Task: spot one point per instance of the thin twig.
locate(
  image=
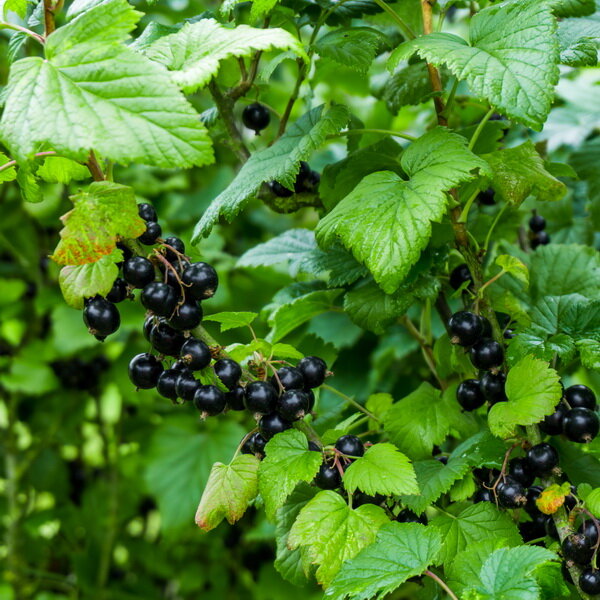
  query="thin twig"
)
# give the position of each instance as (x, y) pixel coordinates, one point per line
(442, 584)
(94, 167)
(351, 401)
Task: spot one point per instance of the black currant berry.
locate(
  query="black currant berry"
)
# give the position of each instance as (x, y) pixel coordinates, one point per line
(542, 459)
(533, 493)
(138, 271)
(589, 529)
(577, 548)
(228, 371)
(314, 371)
(166, 383)
(328, 477)
(195, 354)
(101, 317)
(279, 190)
(159, 298)
(235, 398)
(302, 177)
(442, 459)
(580, 396)
(147, 212)
(469, 394)
(256, 117)
(553, 424)
(144, 370)
(484, 495)
(466, 328)
(261, 397)
(247, 446)
(186, 316)
(460, 275)
(540, 239)
(272, 424)
(537, 223)
(311, 398)
(312, 181)
(360, 498)
(408, 516)
(492, 387)
(166, 340)
(118, 292)
(186, 386)
(177, 247)
(201, 280)
(290, 378)
(350, 445)
(511, 494)
(534, 529)
(259, 443)
(519, 470)
(581, 425)
(589, 581)
(314, 447)
(149, 323)
(487, 197)
(293, 405)
(152, 233)
(209, 400)
(487, 354)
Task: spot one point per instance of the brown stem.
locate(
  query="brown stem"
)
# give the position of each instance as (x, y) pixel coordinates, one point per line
(442, 584)
(49, 25)
(302, 70)
(94, 167)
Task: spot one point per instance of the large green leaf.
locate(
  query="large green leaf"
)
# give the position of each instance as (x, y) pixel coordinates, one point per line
(510, 60)
(386, 221)
(353, 47)
(410, 85)
(573, 8)
(102, 96)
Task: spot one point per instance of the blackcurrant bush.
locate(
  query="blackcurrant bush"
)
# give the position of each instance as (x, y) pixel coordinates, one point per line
(201, 280)
(492, 386)
(235, 398)
(511, 494)
(487, 354)
(256, 117)
(292, 405)
(328, 477)
(466, 328)
(314, 371)
(186, 386)
(484, 495)
(209, 400)
(359, 498)
(195, 354)
(577, 548)
(540, 239)
(589, 581)
(542, 459)
(537, 223)
(589, 529)
(147, 212)
(228, 371)
(350, 445)
(311, 398)
(279, 190)
(118, 292)
(518, 469)
(138, 271)
(101, 317)
(460, 275)
(469, 394)
(259, 443)
(166, 340)
(312, 181)
(580, 396)
(533, 493)
(487, 197)
(272, 424)
(408, 516)
(149, 323)
(553, 424)
(247, 446)
(290, 378)
(144, 370)
(581, 425)
(127, 253)
(534, 529)
(159, 298)
(152, 233)
(177, 247)
(166, 383)
(261, 397)
(301, 178)
(186, 316)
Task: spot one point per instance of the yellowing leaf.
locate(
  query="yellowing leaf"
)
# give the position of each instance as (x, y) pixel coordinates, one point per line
(553, 497)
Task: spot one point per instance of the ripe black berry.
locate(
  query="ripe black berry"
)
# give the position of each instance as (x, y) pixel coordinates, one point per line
(460, 275)
(359, 498)
(177, 245)
(553, 424)
(589, 581)
(147, 212)
(166, 383)
(590, 531)
(160, 298)
(293, 405)
(492, 387)
(311, 398)
(580, 396)
(149, 323)
(487, 354)
(209, 400)
(469, 394)
(118, 292)
(328, 477)
(256, 117)
(235, 398)
(152, 233)
(537, 223)
(314, 447)
(484, 495)
(311, 181)
(272, 424)
(186, 316)
(186, 386)
(279, 190)
(408, 516)
(101, 317)
(577, 548)
(314, 371)
(138, 271)
(534, 529)
(581, 425)
(195, 354)
(519, 470)
(540, 239)
(201, 280)
(466, 328)
(166, 340)
(511, 494)
(259, 443)
(261, 397)
(228, 371)
(350, 445)
(144, 370)
(487, 197)
(533, 493)
(302, 177)
(290, 378)
(542, 458)
(247, 446)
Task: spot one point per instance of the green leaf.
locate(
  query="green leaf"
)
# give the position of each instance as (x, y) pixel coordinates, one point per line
(586, 162)
(475, 523)
(228, 492)
(579, 40)
(288, 461)
(382, 470)
(573, 8)
(232, 320)
(56, 169)
(104, 96)
(100, 215)
(19, 7)
(193, 54)
(512, 265)
(353, 47)
(9, 174)
(592, 502)
(510, 60)
(520, 172)
(533, 390)
(580, 466)
(28, 185)
(280, 162)
(408, 86)
(400, 551)
(85, 281)
(333, 533)
(386, 221)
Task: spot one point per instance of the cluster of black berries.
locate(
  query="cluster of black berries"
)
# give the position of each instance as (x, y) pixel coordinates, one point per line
(307, 180)
(79, 374)
(538, 236)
